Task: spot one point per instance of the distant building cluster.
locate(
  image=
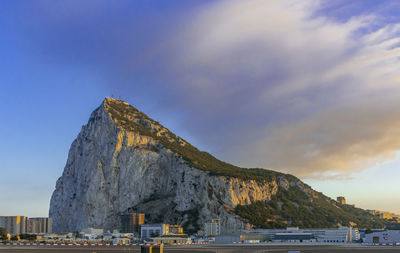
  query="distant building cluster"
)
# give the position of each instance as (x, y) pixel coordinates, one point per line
(134, 229)
(161, 233)
(384, 215)
(15, 225)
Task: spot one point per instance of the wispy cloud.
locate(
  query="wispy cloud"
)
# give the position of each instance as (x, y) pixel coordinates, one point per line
(287, 90)
(273, 84)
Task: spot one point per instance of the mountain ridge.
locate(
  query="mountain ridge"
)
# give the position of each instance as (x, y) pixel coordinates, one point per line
(122, 160)
(114, 106)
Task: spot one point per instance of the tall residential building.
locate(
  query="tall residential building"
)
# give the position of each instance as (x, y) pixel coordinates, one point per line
(212, 228)
(130, 223)
(14, 224)
(32, 226)
(43, 224)
(341, 200)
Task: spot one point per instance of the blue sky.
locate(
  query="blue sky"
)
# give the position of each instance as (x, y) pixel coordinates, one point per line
(306, 87)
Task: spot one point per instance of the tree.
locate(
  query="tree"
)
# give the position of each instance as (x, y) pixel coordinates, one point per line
(29, 237)
(154, 234)
(393, 226)
(2, 232)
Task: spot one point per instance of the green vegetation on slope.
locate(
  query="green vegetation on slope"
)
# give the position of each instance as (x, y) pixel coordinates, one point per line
(293, 207)
(194, 157)
(3, 234)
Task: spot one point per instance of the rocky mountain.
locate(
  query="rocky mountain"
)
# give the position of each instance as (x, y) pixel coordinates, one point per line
(123, 161)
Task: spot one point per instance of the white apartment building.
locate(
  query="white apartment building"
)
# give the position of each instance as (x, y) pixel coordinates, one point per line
(212, 228)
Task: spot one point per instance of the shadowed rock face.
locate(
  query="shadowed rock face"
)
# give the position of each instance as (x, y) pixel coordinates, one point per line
(113, 168)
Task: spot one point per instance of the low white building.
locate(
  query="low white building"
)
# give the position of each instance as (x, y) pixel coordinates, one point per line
(121, 241)
(172, 238)
(123, 235)
(391, 236)
(328, 235)
(337, 235)
(91, 237)
(107, 236)
(293, 237)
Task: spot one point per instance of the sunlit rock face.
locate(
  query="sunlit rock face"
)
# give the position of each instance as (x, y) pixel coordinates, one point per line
(112, 168)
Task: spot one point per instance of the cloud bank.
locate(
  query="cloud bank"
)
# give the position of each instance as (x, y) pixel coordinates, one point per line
(290, 90)
(272, 84)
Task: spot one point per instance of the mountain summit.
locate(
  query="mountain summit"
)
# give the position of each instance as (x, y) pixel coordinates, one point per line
(124, 161)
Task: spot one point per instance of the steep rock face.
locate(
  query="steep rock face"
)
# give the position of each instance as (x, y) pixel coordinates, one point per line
(124, 161)
(111, 169)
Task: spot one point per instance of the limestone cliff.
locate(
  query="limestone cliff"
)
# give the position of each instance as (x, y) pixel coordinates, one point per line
(124, 161)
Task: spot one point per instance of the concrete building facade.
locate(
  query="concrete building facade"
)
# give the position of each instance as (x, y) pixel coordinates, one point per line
(294, 237)
(41, 225)
(32, 227)
(14, 225)
(212, 228)
(328, 235)
(339, 235)
(130, 223)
